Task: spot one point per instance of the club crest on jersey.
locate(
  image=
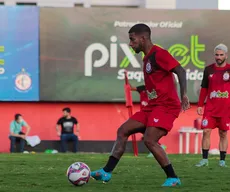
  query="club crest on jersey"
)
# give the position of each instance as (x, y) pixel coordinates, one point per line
(205, 122)
(226, 76)
(148, 68)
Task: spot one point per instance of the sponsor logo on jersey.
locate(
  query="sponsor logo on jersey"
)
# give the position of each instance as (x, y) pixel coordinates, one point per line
(219, 94)
(152, 94)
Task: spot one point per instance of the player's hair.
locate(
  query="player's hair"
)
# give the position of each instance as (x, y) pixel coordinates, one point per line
(221, 47)
(140, 29)
(67, 109)
(16, 116)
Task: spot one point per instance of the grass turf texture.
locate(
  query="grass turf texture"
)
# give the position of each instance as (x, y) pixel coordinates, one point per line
(46, 173)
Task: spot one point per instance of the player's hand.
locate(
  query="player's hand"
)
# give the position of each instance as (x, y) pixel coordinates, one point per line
(200, 110)
(185, 105)
(132, 88)
(58, 133)
(23, 136)
(77, 133)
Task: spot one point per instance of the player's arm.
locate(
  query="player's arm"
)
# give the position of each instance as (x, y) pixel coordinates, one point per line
(181, 74)
(167, 62)
(204, 88)
(58, 127)
(28, 128)
(203, 92)
(133, 88)
(140, 88)
(14, 135)
(77, 127)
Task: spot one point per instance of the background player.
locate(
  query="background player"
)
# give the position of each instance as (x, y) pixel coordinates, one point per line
(16, 133)
(216, 87)
(163, 107)
(66, 133)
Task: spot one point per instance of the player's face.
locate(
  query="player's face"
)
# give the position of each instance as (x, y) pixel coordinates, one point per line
(220, 57)
(65, 113)
(136, 42)
(19, 119)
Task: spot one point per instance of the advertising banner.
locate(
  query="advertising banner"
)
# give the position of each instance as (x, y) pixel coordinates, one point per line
(84, 52)
(19, 53)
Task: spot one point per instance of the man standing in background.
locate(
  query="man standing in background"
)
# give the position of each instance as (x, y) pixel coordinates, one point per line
(66, 133)
(16, 133)
(216, 88)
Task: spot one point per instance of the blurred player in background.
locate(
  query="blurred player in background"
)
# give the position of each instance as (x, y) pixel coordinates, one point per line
(66, 133)
(16, 133)
(216, 88)
(156, 119)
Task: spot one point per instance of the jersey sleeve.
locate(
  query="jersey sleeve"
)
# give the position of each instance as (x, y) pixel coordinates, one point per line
(75, 121)
(140, 88)
(165, 60)
(24, 123)
(205, 80)
(59, 122)
(202, 97)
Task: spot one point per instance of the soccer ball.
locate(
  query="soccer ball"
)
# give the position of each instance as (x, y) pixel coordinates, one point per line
(78, 173)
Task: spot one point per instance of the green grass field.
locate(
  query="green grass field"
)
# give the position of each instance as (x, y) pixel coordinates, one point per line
(46, 173)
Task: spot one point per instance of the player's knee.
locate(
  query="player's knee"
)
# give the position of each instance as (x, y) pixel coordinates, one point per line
(149, 142)
(222, 134)
(207, 133)
(12, 138)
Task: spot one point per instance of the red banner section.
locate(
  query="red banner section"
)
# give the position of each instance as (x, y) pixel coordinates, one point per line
(97, 122)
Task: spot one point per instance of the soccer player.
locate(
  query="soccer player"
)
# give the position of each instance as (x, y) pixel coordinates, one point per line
(164, 106)
(66, 133)
(216, 88)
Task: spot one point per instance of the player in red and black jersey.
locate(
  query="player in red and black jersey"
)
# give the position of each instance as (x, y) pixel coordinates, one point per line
(156, 119)
(216, 88)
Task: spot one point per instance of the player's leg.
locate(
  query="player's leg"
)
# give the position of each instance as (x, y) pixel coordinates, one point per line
(205, 147)
(159, 123)
(208, 123)
(12, 143)
(64, 140)
(74, 138)
(152, 135)
(223, 145)
(22, 144)
(131, 126)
